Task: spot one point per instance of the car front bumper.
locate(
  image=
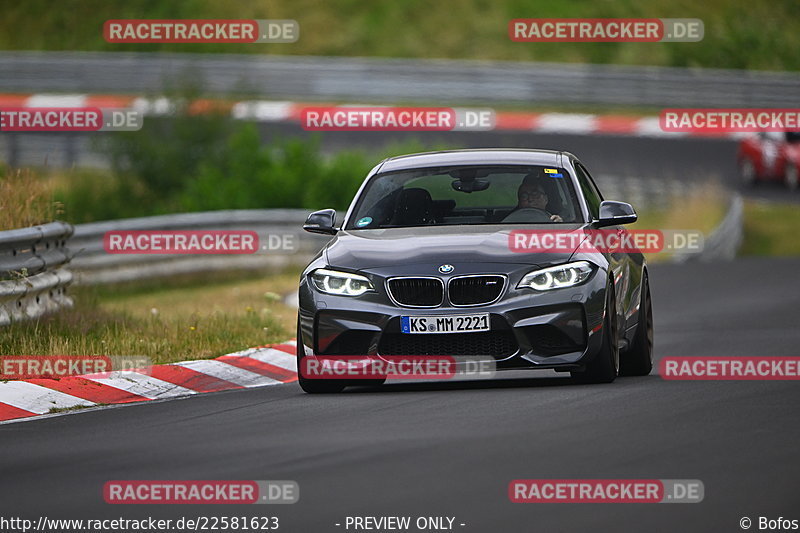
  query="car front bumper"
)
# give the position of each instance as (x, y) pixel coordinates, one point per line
(558, 329)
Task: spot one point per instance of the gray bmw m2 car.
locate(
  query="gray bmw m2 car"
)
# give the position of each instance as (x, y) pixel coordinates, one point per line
(428, 260)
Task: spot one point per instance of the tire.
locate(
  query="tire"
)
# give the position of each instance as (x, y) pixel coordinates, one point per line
(604, 367)
(747, 172)
(790, 176)
(638, 359)
(314, 386)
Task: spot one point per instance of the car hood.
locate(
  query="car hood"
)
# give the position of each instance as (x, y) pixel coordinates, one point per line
(378, 248)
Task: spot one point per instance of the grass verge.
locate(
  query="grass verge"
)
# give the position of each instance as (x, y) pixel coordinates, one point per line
(738, 34)
(25, 200)
(770, 229)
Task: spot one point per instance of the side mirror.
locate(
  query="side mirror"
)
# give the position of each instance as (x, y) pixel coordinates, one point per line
(321, 222)
(615, 213)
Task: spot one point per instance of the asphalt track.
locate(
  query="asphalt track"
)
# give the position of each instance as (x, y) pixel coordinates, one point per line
(451, 449)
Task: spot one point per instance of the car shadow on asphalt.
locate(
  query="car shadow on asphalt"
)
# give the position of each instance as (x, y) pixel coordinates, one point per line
(510, 382)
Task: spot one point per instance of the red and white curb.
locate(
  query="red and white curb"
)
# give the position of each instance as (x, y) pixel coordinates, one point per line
(255, 367)
(286, 111)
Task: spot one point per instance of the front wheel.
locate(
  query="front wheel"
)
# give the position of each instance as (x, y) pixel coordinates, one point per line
(605, 365)
(638, 360)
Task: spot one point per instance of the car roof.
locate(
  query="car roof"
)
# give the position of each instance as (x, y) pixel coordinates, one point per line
(481, 156)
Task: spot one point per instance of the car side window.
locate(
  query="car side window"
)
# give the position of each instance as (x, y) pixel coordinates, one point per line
(590, 192)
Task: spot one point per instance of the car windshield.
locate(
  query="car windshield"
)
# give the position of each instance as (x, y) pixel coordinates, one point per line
(458, 195)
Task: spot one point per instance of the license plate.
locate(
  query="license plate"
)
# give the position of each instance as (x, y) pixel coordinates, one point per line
(445, 324)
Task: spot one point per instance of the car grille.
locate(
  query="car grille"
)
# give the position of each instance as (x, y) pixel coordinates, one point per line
(417, 292)
(475, 290)
(493, 343)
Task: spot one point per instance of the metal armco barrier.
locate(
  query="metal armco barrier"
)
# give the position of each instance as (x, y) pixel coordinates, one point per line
(380, 79)
(725, 240)
(94, 265)
(33, 273)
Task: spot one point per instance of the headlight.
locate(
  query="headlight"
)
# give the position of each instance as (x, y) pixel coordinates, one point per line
(340, 283)
(557, 277)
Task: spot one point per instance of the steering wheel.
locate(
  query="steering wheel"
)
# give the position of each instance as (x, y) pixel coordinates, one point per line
(529, 215)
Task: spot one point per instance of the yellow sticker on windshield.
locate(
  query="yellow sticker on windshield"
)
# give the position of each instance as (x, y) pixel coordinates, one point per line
(550, 171)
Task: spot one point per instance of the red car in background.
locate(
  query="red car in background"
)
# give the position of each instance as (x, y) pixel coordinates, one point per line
(770, 156)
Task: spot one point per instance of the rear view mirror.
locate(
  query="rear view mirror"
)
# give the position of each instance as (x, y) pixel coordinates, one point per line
(467, 185)
(321, 222)
(615, 213)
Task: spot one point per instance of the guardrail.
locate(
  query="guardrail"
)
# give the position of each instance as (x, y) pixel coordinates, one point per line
(724, 241)
(386, 80)
(33, 273)
(94, 265)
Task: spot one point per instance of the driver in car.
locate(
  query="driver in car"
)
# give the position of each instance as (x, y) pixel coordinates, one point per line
(531, 194)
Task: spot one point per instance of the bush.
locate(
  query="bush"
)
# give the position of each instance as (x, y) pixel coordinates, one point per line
(289, 173)
(167, 152)
(88, 196)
